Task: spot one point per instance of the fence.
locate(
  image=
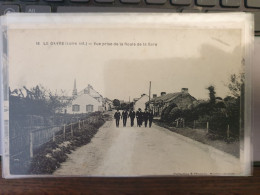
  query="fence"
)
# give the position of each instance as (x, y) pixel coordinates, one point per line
(198, 125)
(225, 133)
(42, 136)
(29, 132)
(19, 146)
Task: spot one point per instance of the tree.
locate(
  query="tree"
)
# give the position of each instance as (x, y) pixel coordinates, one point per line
(166, 111)
(37, 101)
(116, 102)
(236, 85)
(131, 106)
(212, 97)
(235, 105)
(124, 106)
(56, 102)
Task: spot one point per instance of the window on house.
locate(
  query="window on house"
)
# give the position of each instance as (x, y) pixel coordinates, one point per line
(89, 108)
(75, 108)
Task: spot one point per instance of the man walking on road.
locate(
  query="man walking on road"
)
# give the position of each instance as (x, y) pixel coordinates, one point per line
(150, 118)
(117, 116)
(124, 116)
(132, 117)
(139, 117)
(145, 117)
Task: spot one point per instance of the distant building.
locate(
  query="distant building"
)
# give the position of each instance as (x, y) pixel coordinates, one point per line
(122, 101)
(135, 100)
(182, 99)
(85, 101)
(84, 104)
(140, 102)
(108, 104)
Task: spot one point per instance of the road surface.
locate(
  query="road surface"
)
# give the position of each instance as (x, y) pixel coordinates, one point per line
(135, 151)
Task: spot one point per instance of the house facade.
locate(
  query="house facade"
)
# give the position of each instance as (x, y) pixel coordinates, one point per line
(86, 101)
(141, 102)
(84, 104)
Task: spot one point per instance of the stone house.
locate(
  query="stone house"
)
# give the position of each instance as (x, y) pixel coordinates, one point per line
(182, 99)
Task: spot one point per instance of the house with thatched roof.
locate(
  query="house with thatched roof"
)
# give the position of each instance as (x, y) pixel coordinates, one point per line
(182, 99)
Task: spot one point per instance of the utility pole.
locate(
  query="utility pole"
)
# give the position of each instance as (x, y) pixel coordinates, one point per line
(149, 93)
(129, 104)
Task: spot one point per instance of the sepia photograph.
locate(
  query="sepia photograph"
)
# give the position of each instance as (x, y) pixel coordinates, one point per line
(126, 101)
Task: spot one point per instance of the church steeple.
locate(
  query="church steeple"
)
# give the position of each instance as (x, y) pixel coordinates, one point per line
(74, 89)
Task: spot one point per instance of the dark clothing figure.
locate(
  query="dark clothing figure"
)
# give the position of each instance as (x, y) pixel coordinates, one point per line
(150, 117)
(132, 117)
(139, 118)
(117, 116)
(145, 117)
(124, 116)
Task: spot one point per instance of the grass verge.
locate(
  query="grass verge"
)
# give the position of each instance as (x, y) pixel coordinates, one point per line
(232, 146)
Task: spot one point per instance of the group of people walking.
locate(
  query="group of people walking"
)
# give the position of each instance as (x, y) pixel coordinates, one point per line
(146, 116)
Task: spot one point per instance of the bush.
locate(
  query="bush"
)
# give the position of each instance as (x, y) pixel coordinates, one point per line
(219, 115)
(189, 115)
(218, 123)
(174, 114)
(165, 113)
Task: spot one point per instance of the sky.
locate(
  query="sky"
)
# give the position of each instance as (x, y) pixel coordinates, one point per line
(170, 58)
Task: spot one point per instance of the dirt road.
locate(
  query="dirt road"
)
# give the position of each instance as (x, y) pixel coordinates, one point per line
(133, 151)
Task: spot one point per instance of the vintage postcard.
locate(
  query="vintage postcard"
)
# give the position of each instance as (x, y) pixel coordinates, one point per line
(126, 95)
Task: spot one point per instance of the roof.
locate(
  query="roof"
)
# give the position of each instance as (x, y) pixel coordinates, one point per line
(169, 97)
(143, 95)
(83, 96)
(108, 100)
(166, 98)
(91, 91)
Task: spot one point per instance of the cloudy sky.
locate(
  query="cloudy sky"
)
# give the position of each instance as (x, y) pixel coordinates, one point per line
(187, 58)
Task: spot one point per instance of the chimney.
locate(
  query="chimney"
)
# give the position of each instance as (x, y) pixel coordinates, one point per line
(74, 92)
(154, 95)
(184, 90)
(163, 93)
